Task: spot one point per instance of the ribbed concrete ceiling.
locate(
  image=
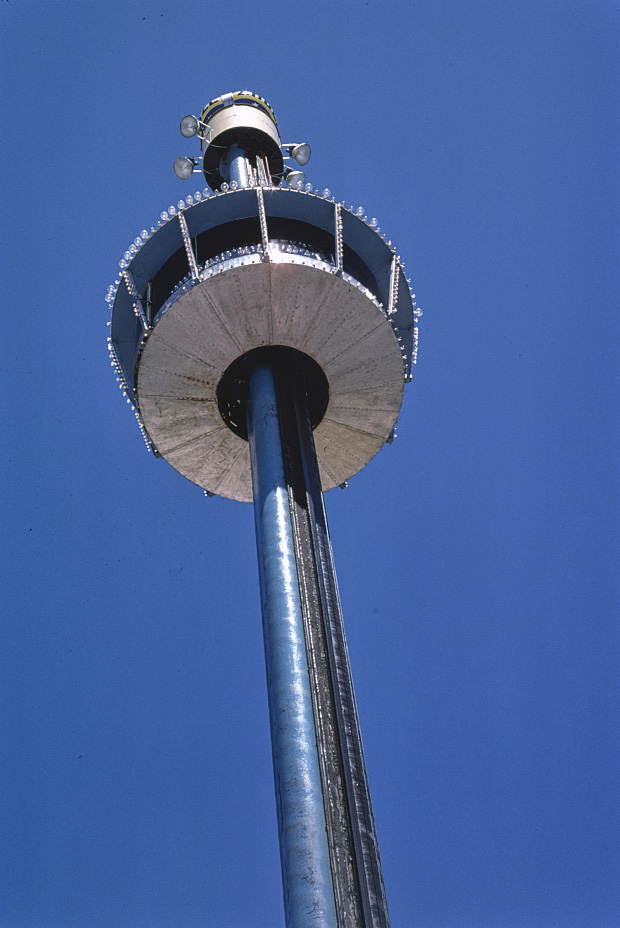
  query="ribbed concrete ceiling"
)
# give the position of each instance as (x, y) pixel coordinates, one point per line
(277, 303)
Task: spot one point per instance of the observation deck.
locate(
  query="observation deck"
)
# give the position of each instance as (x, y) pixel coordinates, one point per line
(243, 268)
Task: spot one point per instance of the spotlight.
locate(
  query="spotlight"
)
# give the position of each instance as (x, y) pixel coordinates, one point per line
(294, 178)
(184, 168)
(189, 126)
(301, 153)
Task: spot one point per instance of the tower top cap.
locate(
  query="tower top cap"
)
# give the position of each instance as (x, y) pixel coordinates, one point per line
(242, 119)
(237, 98)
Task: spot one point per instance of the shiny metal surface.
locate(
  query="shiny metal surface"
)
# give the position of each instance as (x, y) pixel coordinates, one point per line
(304, 852)
(244, 119)
(354, 854)
(237, 167)
(361, 902)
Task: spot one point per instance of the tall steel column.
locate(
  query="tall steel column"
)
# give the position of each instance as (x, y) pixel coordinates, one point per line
(263, 335)
(304, 853)
(299, 589)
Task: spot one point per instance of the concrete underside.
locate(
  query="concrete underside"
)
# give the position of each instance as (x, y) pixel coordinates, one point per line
(250, 306)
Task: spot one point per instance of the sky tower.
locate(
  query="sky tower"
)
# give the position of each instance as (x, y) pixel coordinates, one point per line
(264, 334)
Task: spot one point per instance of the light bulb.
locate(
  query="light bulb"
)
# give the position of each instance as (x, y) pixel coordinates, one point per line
(327, 192)
(164, 215)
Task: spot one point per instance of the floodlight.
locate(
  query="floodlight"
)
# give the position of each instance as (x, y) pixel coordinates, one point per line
(189, 126)
(184, 168)
(301, 153)
(295, 178)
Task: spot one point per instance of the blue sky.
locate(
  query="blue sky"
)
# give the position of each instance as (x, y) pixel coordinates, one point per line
(477, 556)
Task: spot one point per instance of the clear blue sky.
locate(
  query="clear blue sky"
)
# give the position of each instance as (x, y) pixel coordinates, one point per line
(477, 555)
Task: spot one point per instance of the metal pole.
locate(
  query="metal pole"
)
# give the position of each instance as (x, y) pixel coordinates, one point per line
(304, 851)
(362, 897)
(238, 166)
(299, 571)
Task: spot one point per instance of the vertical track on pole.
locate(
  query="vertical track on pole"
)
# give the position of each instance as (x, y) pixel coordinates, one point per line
(356, 867)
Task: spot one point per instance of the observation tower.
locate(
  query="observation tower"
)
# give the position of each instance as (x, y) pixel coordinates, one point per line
(263, 333)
